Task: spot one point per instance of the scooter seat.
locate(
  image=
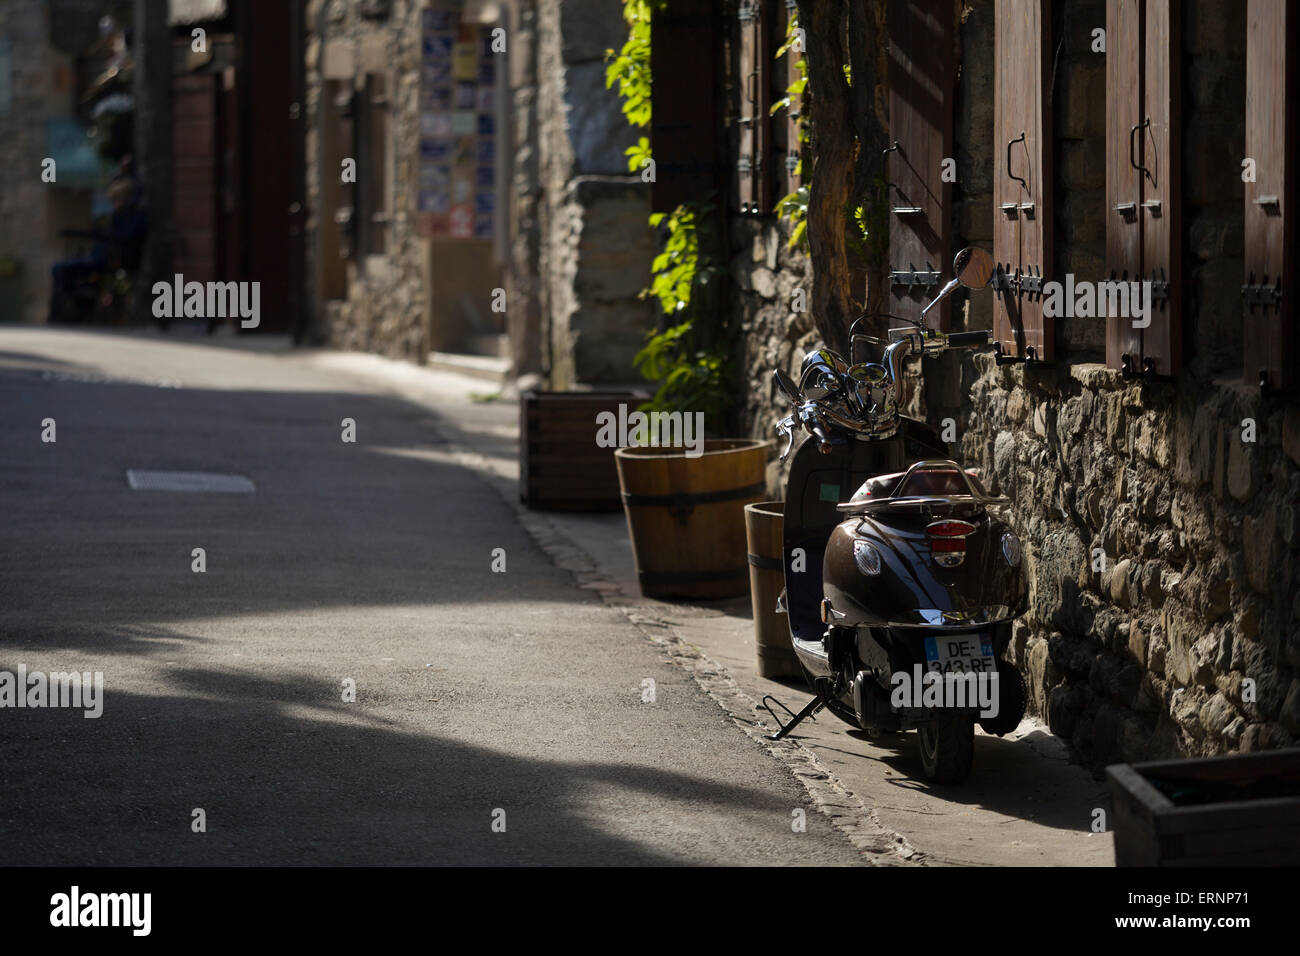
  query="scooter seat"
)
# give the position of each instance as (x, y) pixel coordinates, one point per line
(938, 482)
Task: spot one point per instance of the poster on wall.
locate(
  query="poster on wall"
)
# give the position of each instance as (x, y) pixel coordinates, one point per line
(457, 154)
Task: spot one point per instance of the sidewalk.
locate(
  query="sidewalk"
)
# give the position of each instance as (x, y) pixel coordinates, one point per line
(1025, 804)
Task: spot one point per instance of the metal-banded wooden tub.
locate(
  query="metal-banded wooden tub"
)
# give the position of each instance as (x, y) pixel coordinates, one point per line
(686, 516)
(763, 526)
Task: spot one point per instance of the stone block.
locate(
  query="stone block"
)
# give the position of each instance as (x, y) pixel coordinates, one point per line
(1064, 705)
(1260, 548)
(597, 130)
(1215, 715)
(1241, 469)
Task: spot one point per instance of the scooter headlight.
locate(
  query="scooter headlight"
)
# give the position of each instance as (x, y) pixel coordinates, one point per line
(1011, 548)
(867, 557)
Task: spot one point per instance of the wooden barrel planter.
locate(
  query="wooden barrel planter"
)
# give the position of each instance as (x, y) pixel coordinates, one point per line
(1235, 810)
(686, 516)
(763, 524)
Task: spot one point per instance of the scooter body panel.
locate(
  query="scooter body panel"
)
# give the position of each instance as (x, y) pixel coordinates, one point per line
(911, 588)
(817, 483)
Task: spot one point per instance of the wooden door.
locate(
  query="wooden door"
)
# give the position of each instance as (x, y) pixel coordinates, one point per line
(686, 122)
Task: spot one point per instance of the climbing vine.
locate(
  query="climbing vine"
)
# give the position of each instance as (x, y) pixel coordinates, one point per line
(629, 69)
(692, 376)
(793, 207)
(692, 371)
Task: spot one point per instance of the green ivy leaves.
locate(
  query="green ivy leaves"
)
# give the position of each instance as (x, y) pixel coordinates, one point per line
(691, 379)
(630, 69)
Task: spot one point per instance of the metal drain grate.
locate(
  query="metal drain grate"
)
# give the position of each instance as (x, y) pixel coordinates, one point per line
(201, 481)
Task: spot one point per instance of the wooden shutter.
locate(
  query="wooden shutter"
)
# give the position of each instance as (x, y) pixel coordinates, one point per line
(685, 122)
(1269, 345)
(1143, 182)
(1161, 187)
(1123, 179)
(920, 124)
(752, 82)
(1022, 184)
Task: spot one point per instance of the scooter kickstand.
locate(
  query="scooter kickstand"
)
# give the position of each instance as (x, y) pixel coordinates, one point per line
(809, 710)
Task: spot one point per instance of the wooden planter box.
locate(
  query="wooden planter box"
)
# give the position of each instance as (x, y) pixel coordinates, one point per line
(560, 465)
(1241, 809)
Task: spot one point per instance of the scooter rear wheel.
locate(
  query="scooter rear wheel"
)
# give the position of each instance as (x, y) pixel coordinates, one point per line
(947, 748)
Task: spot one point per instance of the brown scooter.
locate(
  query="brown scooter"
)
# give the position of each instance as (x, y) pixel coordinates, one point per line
(902, 577)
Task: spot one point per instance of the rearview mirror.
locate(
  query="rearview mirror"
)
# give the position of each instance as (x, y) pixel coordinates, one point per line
(819, 375)
(786, 384)
(973, 267)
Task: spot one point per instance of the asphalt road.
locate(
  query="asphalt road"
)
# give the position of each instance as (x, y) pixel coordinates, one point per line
(481, 697)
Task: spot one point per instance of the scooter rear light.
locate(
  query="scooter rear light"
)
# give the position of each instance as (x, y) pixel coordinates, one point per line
(948, 541)
(950, 529)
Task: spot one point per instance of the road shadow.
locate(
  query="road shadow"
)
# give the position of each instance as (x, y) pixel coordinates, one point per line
(283, 771)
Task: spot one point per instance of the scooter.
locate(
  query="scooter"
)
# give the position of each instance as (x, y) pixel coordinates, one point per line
(902, 577)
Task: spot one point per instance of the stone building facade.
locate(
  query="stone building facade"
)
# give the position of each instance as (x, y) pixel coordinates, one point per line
(581, 240)
(556, 283)
(363, 299)
(1159, 516)
(38, 93)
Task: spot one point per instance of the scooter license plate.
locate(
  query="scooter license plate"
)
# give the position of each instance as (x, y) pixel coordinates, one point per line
(961, 653)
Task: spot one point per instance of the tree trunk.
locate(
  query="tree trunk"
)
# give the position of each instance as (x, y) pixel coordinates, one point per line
(866, 33)
(831, 120)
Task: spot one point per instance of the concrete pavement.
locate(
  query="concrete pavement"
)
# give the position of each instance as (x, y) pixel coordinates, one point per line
(498, 717)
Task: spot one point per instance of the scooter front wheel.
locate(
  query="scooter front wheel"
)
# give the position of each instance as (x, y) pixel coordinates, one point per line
(947, 748)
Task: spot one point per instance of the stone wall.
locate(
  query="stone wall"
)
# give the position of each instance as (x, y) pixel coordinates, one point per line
(523, 279)
(385, 309)
(772, 335)
(40, 85)
(1163, 548)
(1162, 554)
(579, 245)
(594, 242)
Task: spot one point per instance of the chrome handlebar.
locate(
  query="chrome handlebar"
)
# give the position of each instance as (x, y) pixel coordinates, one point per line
(818, 418)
